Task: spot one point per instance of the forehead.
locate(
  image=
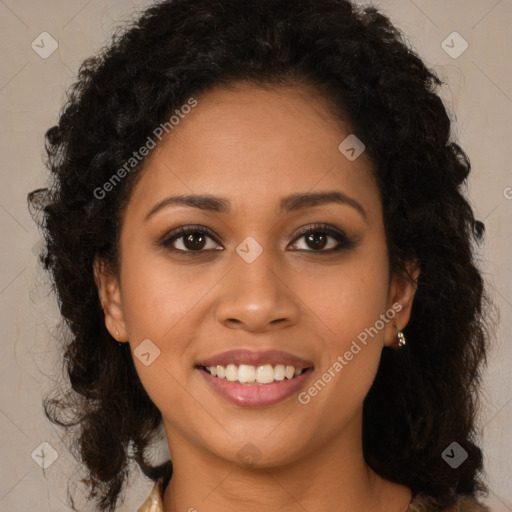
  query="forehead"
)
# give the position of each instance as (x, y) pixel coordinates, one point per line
(255, 146)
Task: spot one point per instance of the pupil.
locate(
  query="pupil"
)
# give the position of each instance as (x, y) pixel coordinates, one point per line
(315, 238)
(189, 244)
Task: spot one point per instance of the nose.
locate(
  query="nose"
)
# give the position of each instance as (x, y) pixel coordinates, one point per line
(257, 297)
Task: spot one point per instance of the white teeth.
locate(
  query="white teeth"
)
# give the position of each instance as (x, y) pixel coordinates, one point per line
(289, 372)
(246, 373)
(263, 374)
(279, 372)
(231, 372)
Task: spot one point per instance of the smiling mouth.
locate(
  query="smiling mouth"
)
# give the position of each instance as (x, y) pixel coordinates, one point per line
(254, 375)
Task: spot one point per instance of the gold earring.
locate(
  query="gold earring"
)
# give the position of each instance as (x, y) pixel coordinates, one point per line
(401, 338)
(117, 333)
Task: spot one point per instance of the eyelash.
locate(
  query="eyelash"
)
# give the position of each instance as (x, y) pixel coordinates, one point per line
(344, 242)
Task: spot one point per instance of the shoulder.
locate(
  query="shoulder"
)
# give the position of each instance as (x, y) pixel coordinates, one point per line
(154, 501)
(422, 503)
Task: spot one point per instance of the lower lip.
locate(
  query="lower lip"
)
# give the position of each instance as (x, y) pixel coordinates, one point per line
(256, 395)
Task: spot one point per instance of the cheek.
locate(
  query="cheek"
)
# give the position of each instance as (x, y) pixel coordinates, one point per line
(156, 297)
(348, 298)
(156, 302)
(349, 302)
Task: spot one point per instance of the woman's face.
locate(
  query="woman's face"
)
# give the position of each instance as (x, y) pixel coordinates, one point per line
(253, 283)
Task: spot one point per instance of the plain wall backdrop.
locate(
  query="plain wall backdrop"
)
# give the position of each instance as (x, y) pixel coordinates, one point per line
(33, 78)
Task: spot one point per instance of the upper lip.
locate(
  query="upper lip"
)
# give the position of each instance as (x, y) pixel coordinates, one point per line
(250, 357)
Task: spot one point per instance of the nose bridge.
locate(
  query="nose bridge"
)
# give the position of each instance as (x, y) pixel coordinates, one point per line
(255, 294)
(257, 267)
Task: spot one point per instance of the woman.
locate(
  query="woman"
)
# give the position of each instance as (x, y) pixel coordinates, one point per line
(261, 203)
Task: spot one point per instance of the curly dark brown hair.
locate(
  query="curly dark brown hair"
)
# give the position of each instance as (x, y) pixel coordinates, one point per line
(424, 396)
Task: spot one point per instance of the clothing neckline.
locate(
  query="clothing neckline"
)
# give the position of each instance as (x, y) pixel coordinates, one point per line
(419, 501)
(154, 502)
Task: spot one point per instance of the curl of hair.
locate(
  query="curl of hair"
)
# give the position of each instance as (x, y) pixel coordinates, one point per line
(424, 396)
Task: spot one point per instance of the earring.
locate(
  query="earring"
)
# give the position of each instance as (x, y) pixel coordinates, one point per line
(401, 338)
(119, 344)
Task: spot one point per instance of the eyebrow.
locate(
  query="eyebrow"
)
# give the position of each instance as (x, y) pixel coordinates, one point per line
(291, 203)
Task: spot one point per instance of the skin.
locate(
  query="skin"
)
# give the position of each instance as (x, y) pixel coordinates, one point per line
(253, 147)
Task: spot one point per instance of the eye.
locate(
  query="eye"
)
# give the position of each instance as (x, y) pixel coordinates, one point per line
(316, 237)
(194, 239)
(190, 239)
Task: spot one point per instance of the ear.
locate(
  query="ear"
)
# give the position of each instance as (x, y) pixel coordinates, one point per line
(401, 294)
(110, 299)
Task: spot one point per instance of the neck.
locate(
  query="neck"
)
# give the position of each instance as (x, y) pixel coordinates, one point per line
(334, 477)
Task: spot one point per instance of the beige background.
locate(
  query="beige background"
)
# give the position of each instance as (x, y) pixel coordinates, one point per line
(32, 90)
